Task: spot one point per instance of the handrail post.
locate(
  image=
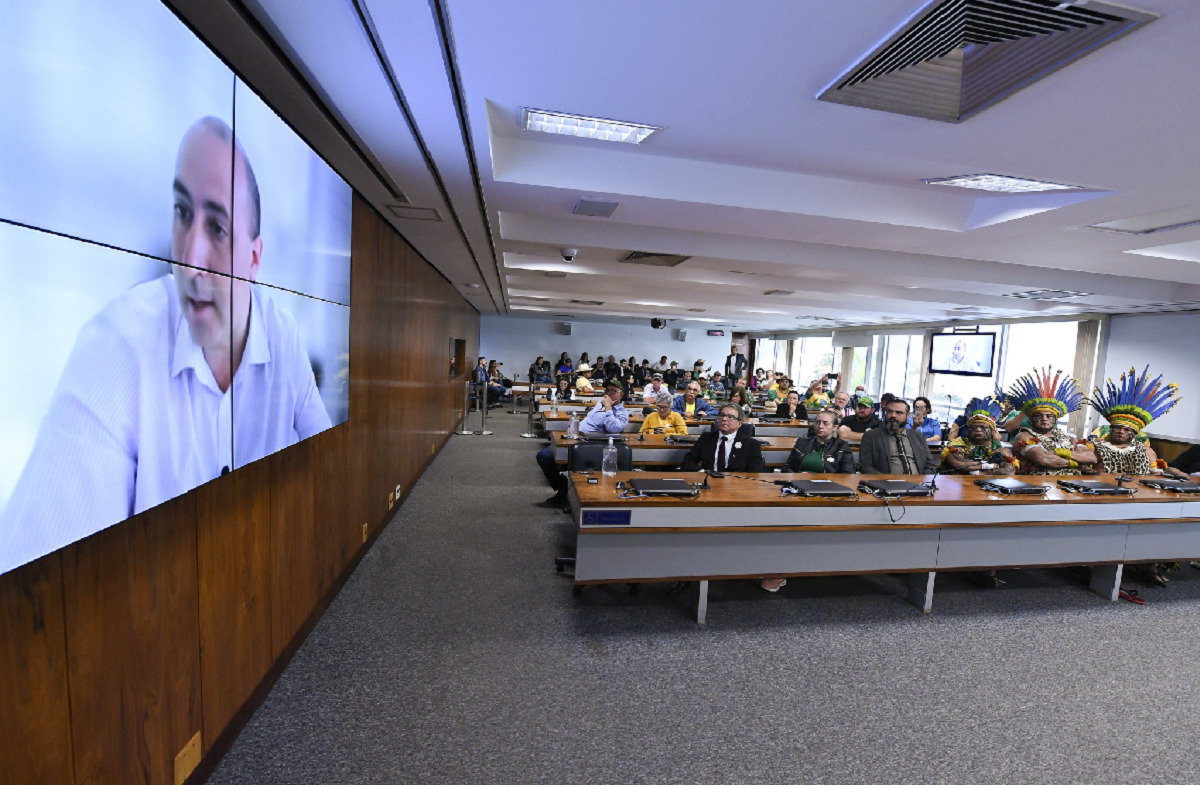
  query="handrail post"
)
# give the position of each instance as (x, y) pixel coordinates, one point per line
(462, 425)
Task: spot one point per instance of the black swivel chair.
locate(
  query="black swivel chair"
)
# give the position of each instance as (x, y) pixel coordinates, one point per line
(590, 457)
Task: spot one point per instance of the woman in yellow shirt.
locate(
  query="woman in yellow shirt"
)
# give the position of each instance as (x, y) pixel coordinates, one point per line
(663, 420)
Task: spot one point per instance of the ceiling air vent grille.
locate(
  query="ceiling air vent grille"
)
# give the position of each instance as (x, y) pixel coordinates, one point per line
(1047, 295)
(957, 57)
(653, 259)
(586, 302)
(778, 292)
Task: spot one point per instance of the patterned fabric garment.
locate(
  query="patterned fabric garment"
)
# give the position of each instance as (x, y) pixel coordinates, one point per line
(963, 450)
(1130, 459)
(1056, 439)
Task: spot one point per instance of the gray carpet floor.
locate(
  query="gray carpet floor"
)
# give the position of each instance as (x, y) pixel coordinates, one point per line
(456, 654)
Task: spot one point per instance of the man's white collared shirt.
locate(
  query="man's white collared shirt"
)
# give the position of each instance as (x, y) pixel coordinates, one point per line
(138, 418)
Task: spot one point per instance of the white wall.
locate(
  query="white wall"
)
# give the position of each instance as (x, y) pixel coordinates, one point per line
(1167, 341)
(517, 342)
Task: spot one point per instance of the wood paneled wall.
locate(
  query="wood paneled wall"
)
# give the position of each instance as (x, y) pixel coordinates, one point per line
(117, 650)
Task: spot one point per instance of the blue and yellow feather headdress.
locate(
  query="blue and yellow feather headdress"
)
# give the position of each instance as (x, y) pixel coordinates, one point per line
(1038, 390)
(983, 410)
(1136, 400)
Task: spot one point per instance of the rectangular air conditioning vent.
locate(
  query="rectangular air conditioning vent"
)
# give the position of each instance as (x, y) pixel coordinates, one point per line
(595, 208)
(555, 274)
(955, 58)
(653, 259)
(778, 292)
(586, 302)
(1046, 295)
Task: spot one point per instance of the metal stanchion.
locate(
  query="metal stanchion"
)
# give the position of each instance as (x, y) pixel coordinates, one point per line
(483, 407)
(462, 426)
(514, 392)
(529, 434)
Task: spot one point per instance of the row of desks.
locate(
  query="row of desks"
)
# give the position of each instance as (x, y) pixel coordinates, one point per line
(793, 428)
(740, 527)
(655, 450)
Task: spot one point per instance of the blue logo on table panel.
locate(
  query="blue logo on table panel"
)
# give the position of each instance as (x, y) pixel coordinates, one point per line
(607, 517)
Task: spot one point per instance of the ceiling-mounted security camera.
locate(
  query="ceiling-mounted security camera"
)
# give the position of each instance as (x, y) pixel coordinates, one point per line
(568, 254)
(658, 324)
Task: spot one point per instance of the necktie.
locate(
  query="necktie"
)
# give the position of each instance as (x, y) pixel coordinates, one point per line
(721, 455)
(904, 462)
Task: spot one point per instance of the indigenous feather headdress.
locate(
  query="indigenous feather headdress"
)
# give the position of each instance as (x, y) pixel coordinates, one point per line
(1038, 390)
(983, 410)
(1136, 400)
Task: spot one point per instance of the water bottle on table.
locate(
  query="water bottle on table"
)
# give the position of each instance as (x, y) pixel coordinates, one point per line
(573, 427)
(608, 465)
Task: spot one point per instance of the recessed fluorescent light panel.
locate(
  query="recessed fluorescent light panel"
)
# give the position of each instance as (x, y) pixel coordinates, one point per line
(1000, 183)
(586, 127)
(1160, 221)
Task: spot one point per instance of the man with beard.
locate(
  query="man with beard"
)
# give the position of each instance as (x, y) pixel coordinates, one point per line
(1042, 448)
(864, 419)
(979, 450)
(895, 449)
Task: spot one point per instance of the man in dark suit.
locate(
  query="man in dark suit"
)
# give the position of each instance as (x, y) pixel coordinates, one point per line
(735, 365)
(895, 449)
(725, 449)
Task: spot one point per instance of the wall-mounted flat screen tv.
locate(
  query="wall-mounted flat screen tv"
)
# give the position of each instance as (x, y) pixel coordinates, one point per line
(963, 354)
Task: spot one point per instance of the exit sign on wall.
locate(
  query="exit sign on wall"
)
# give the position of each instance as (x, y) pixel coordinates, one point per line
(717, 333)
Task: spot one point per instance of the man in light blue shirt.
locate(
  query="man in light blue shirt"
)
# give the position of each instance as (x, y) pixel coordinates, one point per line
(175, 380)
(607, 416)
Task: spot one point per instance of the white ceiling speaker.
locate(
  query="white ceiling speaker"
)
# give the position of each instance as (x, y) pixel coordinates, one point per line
(566, 328)
(681, 335)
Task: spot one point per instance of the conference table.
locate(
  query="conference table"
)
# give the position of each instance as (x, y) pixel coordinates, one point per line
(741, 527)
(656, 449)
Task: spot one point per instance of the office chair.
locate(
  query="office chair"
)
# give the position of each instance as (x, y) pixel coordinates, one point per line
(590, 457)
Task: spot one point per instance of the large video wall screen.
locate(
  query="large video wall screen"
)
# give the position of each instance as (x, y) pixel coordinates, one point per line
(176, 272)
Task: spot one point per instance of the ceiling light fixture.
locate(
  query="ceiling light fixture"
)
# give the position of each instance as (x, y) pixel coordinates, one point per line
(1001, 183)
(1149, 223)
(584, 126)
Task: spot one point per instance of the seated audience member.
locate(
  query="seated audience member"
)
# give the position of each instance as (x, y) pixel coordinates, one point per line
(841, 403)
(562, 390)
(564, 364)
(698, 368)
(717, 385)
(584, 358)
(780, 391)
(815, 396)
(979, 449)
(1129, 406)
(484, 385)
(642, 374)
(740, 397)
(1043, 448)
(791, 407)
(884, 400)
(864, 419)
(706, 391)
(756, 381)
(650, 391)
(612, 369)
(724, 449)
(822, 451)
(541, 372)
(686, 378)
(894, 449)
(671, 376)
(583, 380)
(663, 419)
(1186, 463)
(607, 416)
(624, 372)
(497, 381)
(691, 405)
(660, 366)
(923, 422)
